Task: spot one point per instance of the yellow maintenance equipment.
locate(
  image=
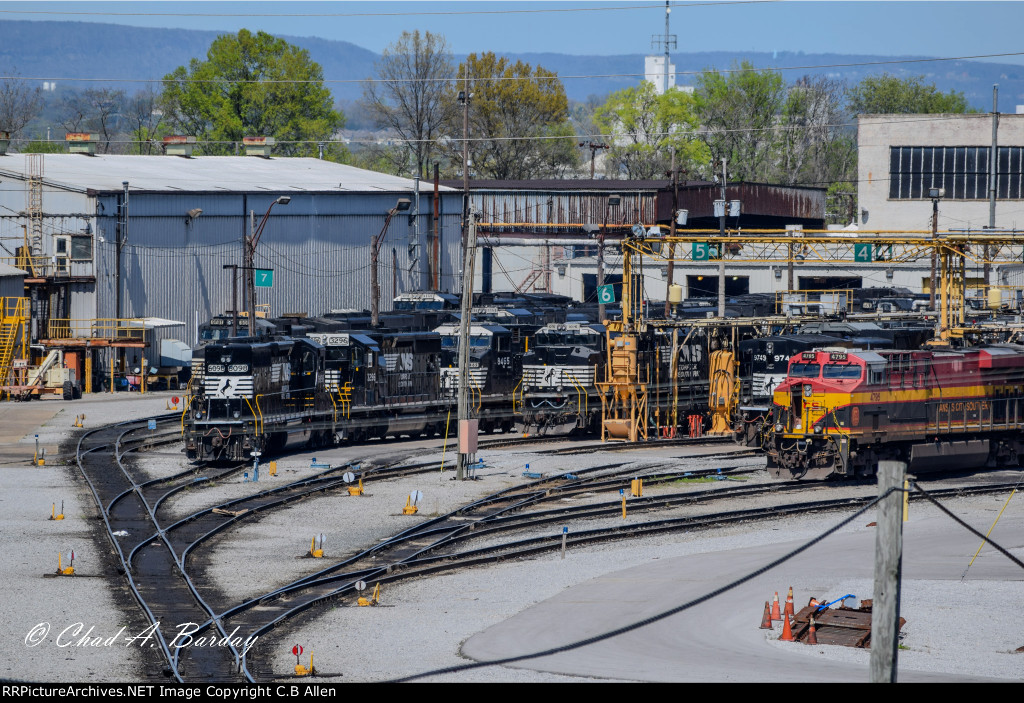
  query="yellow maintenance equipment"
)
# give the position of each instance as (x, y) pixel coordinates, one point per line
(53, 512)
(79, 421)
(313, 551)
(65, 570)
(356, 490)
(409, 508)
(302, 670)
(273, 468)
(636, 487)
(723, 390)
(373, 600)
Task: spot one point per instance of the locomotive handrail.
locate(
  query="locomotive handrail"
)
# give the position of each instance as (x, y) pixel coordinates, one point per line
(345, 396)
(517, 388)
(253, 413)
(260, 411)
(184, 411)
(580, 392)
(478, 393)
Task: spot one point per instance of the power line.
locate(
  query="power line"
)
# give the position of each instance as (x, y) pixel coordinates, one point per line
(887, 62)
(448, 13)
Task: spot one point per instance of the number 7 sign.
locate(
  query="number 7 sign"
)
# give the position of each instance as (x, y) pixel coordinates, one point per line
(264, 278)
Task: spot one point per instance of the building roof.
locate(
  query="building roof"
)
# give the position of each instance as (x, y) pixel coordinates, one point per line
(8, 270)
(106, 172)
(571, 184)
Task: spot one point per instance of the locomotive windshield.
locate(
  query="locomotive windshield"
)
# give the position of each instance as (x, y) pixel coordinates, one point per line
(452, 342)
(805, 370)
(841, 371)
(566, 339)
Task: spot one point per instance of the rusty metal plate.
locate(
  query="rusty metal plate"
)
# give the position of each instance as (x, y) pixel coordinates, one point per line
(846, 627)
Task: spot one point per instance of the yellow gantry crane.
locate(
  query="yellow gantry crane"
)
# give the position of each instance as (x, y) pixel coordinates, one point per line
(628, 380)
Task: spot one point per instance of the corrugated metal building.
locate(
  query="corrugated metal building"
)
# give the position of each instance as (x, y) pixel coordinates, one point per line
(12, 281)
(557, 214)
(186, 219)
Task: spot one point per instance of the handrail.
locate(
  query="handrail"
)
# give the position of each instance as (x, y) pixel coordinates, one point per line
(96, 328)
(259, 429)
(518, 386)
(188, 404)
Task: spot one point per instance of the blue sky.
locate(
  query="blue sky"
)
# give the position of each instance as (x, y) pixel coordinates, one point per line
(925, 28)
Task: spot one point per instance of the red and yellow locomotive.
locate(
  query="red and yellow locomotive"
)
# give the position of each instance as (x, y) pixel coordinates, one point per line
(839, 411)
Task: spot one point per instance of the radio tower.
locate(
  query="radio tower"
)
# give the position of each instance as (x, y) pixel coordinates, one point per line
(669, 42)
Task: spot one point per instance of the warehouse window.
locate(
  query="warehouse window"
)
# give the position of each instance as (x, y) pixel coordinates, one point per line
(962, 171)
(81, 247)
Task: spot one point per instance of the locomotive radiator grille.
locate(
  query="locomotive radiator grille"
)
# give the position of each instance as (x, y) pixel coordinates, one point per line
(228, 386)
(558, 376)
(450, 378)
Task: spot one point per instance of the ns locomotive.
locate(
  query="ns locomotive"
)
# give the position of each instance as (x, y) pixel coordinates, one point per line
(839, 412)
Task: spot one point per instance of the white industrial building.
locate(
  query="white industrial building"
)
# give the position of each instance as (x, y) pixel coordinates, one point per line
(903, 161)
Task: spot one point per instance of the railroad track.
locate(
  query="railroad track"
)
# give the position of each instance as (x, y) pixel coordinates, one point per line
(430, 548)
(157, 566)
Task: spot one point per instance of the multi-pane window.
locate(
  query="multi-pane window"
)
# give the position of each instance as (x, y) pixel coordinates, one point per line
(961, 170)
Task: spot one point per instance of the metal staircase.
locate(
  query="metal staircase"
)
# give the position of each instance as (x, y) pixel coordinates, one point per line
(13, 333)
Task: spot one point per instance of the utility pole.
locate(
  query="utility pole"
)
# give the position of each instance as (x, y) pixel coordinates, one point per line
(467, 427)
(993, 170)
(464, 96)
(122, 237)
(250, 275)
(594, 147)
(668, 11)
(668, 41)
(885, 610)
(935, 235)
(721, 247)
(612, 199)
(234, 298)
(672, 233)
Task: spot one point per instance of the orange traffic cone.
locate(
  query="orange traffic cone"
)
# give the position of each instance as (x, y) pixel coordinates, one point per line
(813, 603)
(812, 638)
(776, 615)
(766, 620)
(789, 603)
(787, 631)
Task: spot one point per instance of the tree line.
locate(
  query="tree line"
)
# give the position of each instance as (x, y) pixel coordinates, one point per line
(517, 123)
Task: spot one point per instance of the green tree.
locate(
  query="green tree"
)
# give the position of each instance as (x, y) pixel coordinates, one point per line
(412, 93)
(515, 117)
(253, 85)
(646, 128)
(42, 146)
(886, 94)
(739, 111)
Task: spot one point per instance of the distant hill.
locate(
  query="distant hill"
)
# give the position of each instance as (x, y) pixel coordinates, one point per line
(121, 53)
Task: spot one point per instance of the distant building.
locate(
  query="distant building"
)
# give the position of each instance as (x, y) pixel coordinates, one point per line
(654, 73)
(902, 158)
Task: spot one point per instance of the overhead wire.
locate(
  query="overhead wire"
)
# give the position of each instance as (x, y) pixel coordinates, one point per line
(453, 78)
(413, 13)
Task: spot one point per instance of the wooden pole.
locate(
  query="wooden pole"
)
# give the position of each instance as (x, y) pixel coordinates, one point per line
(885, 613)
